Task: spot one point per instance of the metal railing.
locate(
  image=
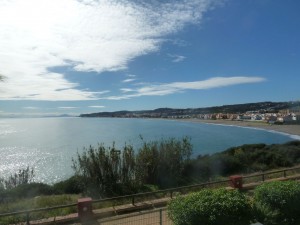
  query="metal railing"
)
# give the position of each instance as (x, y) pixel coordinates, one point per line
(169, 193)
(28, 212)
(153, 217)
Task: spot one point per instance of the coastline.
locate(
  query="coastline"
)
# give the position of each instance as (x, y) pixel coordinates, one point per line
(287, 129)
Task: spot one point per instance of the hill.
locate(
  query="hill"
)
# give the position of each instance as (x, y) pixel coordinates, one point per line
(263, 107)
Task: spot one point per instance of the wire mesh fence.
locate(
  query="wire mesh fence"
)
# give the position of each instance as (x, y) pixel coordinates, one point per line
(153, 217)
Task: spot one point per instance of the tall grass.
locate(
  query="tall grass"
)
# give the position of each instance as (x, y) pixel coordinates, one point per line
(35, 203)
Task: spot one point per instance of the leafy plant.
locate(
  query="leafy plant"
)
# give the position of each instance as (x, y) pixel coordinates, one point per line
(278, 203)
(211, 207)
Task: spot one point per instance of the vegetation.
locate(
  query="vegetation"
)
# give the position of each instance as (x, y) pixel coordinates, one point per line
(277, 203)
(106, 171)
(211, 207)
(110, 172)
(242, 160)
(24, 176)
(162, 163)
(36, 203)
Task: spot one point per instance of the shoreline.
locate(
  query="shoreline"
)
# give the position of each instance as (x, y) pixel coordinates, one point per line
(286, 129)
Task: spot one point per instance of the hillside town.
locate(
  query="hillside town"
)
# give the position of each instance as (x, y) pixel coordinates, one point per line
(268, 112)
(283, 116)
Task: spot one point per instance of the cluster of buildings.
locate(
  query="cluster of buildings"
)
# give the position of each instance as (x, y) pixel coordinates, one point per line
(271, 115)
(283, 116)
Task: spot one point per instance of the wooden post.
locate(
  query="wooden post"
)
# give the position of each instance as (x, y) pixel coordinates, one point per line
(85, 211)
(27, 218)
(160, 217)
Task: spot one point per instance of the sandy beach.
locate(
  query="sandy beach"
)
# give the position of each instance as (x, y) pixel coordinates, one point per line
(289, 129)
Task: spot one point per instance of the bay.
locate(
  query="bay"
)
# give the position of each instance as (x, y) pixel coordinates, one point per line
(49, 144)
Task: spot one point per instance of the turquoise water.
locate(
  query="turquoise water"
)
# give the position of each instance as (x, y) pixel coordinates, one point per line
(48, 144)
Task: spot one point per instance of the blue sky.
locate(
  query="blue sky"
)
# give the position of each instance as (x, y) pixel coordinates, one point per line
(84, 56)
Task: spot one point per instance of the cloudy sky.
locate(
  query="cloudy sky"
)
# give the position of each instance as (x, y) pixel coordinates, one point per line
(81, 56)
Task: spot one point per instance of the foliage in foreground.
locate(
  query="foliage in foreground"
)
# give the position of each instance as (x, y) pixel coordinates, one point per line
(110, 172)
(211, 207)
(277, 203)
(105, 172)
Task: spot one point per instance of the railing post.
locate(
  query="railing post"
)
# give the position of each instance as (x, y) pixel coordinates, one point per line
(236, 181)
(85, 209)
(284, 173)
(263, 177)
(160, 217)
(27, 218)
(132, 200)
(171, 194)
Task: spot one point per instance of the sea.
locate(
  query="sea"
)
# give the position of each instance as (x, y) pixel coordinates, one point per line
(49, 144)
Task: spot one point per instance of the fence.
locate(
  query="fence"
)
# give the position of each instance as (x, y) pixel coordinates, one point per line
(165, 194)
(151, 217)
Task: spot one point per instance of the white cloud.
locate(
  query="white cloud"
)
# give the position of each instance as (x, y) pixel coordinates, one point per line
(67, 107)
(177, 87)
(87, 35)
(96, 106)
(30, 107)
(124, 90)
(177, 58)
(128, 80)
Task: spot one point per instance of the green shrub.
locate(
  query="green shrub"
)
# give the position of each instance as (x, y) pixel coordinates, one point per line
(162, 162)
(278, 203)
(73, 185)
(211, 207)
(23, 176)
(28, 191)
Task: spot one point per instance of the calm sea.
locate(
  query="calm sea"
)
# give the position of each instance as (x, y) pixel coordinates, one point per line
(48, 144)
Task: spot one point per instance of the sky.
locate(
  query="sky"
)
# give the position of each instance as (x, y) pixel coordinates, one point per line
(84, 56)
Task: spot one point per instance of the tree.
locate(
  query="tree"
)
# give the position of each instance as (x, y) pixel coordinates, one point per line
(162, 162)
(109, 172)
(23, 176)
(104, 173)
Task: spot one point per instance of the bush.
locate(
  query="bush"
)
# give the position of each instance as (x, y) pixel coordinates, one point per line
(73, 185)
(278, 203)
(106, 171)
(162, 162)
(28, 191)
(23, 176)
(211, 207)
